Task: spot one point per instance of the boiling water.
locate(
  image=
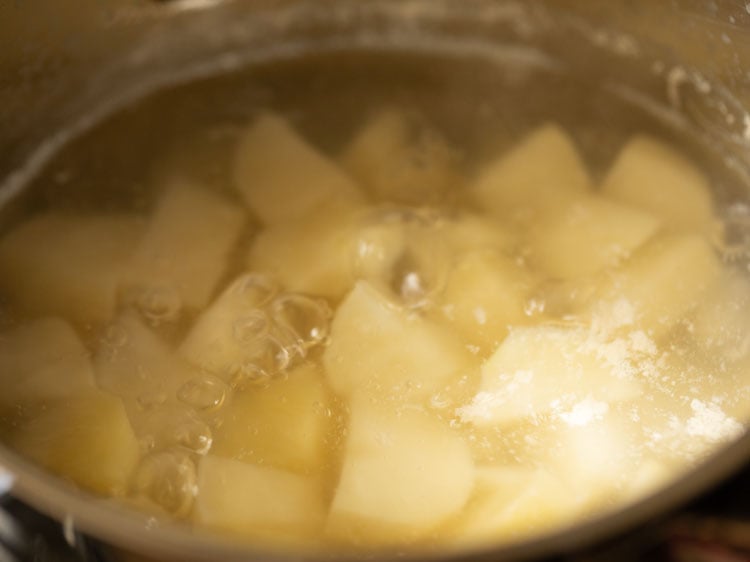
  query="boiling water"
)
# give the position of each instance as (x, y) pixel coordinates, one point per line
(477, 109)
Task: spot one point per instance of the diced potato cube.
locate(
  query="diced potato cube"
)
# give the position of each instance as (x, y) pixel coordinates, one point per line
(541, 369)
(404, 473)
(134, 364)
(256, 501)
(312, 255)
(86, 438)
(656, 178)
(514, 503)
(378, 346)
(588, 235)
(281, 177)
(485, 294)
(399, 161)
(40, 361)
(187, 244)
(68, 264)
(542, 172)
(661, 283)
(281, 425)
(470, 233)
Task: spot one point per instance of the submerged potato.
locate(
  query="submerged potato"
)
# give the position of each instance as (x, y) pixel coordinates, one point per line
(67, 264)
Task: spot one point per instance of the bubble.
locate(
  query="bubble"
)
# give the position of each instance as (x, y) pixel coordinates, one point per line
(534, 307)
(272, 361)
(303, 321)
(205, 393)
(158, 304)
(251, 329)
(168, 478)
(167, 426)
(114, 339)
(401, 249)
(255, 289)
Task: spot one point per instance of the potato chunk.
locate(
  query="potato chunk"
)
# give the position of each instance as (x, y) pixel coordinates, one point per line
(399, 161)
(403, 474)
(588, 235)
(40, 361)
(378, 346)
(312, 255)
(281, 425)
(542, 172)
(662, 282)
(256, 501)
(68, 264)
(134, 364)
(186, 246)
(87, 439)
(542, 369)
(656, 178)
(513, 503)
(485, 294)
(281, 177)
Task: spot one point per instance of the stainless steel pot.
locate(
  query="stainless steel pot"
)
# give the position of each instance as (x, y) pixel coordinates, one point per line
(684, 64)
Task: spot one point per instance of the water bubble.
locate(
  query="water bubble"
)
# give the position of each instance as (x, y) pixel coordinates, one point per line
(114, 339)
(251, 328)
(167, 426)
(303, 321)
(158, 304)
(205, 393)
(273, 360)
(255, 289)
(168, 478)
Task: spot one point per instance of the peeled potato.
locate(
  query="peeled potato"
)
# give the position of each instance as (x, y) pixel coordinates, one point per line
(281, 177)
(69, 265)
(282, 425)
(380, 347)
(485, 293)
(86, 438)
(403, 474)
(399, 161)
(653, 176)
(256, 501)
(185, 249)
(540, 369)
(314, 254)
(543, 171)
(588, 235)
(41, 361)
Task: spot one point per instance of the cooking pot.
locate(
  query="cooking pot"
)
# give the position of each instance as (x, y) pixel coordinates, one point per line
(680, 67)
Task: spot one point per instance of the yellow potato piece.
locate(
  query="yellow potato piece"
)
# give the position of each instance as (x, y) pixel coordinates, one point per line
(134, 364)
(485, 294)
(661, 283)
(186, 247)
(86, 438)
(380, 347)
(314, 254)
(281, 177)
(256, 501)
(41, 361)
(398, 161)
(655, 177)
(404, 473)
(588, 235)
(68, 264)
(544, 369)
(511, 504)
(540, 173)
(282, 425)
